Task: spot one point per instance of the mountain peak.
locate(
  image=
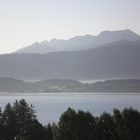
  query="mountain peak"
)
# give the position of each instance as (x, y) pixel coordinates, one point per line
(119, 35)
(116, 31)
(128, 31)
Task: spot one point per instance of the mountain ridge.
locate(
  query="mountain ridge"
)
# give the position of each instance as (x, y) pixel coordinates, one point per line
(78, 43)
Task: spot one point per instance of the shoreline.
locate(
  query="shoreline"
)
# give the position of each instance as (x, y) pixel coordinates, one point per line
(57, 94)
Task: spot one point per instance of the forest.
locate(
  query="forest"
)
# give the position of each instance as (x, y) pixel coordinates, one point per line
(18, 121)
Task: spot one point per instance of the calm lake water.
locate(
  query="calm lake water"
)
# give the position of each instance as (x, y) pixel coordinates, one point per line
(49, 107)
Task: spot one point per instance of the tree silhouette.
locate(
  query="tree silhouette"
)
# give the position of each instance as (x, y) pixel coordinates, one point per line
(49, 132)
(19, 122)
(76, 126)
(55, 131)
(85, 126)
(106, 127)
(67, 125)
(10, 122)
(1, 124)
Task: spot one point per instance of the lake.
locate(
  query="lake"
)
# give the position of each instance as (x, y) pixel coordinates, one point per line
(49, 107)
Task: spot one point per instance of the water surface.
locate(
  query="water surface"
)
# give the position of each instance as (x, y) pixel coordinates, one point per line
(49, 107)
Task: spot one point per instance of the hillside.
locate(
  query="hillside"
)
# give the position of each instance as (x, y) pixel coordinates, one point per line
(70, 86)
(114, 60)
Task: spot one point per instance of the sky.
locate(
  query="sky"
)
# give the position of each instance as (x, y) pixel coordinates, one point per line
(23, 22)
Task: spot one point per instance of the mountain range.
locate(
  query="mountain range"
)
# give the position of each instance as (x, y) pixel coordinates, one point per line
(111, 54)
(79, 43)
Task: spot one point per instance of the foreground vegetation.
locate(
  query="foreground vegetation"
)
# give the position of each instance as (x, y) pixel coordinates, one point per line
(19, 122)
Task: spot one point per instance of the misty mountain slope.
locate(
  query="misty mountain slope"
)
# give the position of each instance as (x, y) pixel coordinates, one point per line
(113, 60)
(8, 84)
(80, 42)
(59, 83)
(69, 86)
(11, 85)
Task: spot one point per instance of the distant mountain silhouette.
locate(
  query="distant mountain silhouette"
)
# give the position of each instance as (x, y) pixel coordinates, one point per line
(80, 42)
(114, 60)
(70, 86)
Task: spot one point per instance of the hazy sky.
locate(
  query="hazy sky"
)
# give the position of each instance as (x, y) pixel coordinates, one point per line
(23, 22)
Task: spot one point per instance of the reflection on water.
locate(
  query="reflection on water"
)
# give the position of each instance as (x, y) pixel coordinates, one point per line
(49, 107)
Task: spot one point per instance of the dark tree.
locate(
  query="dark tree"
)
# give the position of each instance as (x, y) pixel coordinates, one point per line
(49, 132)
(55, 131)
(28, 126)
(85, 126)
(25, 116)
(131, 124)
(105, 127)
(76, 126)
(1, 125)
(9, 123)
(19, 122)
(67, 125)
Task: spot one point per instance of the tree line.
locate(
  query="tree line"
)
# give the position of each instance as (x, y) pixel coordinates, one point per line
(19, 122)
